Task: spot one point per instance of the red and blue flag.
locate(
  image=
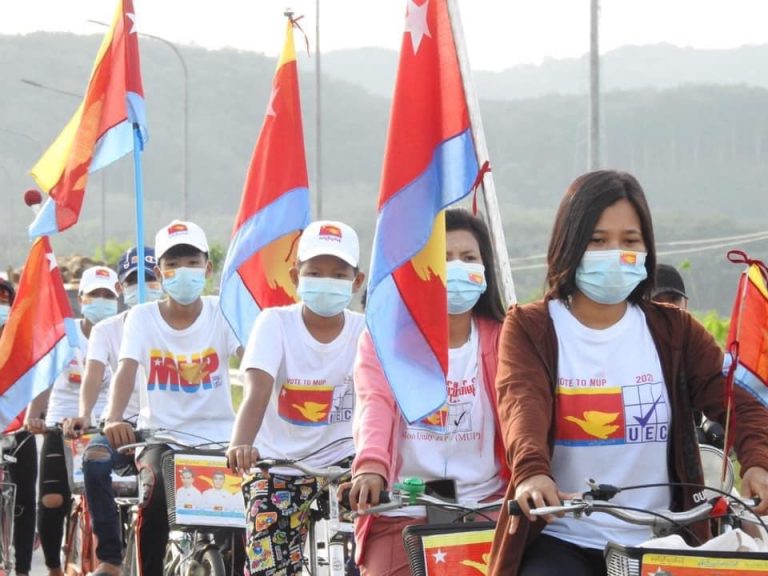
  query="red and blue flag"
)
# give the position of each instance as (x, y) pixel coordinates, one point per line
(429, 163)
(40, 336)
(101, 130)
(274, 208)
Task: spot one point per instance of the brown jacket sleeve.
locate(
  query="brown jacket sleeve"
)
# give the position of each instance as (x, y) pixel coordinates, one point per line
(524, 392)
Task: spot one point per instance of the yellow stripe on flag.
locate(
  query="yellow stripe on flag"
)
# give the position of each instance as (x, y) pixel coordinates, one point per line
(458, 538)
(289, 51)
(757, 279)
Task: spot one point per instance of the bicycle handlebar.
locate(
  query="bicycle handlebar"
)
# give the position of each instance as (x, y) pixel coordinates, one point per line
(328, 472)
(657, 519)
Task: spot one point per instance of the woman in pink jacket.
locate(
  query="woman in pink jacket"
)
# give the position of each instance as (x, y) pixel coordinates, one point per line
(461, 441)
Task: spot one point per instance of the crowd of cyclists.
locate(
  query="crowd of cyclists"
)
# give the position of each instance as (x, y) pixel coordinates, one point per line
(599, 377)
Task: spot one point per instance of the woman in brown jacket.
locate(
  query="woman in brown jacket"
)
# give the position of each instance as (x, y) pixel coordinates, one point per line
(595, 381)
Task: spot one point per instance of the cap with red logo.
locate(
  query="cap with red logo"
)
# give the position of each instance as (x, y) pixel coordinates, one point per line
(98, 277)
(177, 233)
(328, 238)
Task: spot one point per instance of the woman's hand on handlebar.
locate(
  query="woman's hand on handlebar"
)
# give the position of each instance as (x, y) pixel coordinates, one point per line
(365, 491)
(119, 433)
(535, 492)
(73, 427)
(754, 484)
(242, 457)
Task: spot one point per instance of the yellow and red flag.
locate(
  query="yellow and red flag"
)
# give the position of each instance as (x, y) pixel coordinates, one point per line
(458, 554)
(429, 163)
(747, 343)
(274, 207)
(101, 130)
(39, 337)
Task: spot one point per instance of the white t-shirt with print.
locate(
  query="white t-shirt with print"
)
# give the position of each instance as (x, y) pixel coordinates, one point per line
(186, 372)
(612, 422)
(104, 347)
(64, 401)
(312, 398)
(457, 441)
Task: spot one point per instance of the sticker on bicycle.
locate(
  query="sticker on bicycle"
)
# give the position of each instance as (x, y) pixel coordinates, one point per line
(207, 494)
(75, 449)
(668, 564)
(458, 553)
(588, 416)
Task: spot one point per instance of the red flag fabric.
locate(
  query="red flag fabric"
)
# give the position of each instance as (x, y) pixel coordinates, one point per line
(36, 343)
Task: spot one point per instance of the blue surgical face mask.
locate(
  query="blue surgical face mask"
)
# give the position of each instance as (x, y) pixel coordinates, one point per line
(184, 285)
(610, 276)
(465, 285)
(5, 311)
(131, 293)
(98, 309)
(325, 296)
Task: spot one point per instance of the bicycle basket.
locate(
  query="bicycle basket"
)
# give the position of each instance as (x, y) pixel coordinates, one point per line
(632, 561)
(74, 450)
(201, 492)
(455, 549)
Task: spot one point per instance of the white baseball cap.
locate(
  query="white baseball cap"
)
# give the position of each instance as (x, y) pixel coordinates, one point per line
(329, 238)
(179, 232)
(98, 277)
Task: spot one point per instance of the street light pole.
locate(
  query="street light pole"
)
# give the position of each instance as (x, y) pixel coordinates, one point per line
(593, 152)
(318, 119)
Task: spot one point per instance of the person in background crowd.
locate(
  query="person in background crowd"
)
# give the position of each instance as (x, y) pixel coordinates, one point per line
(670, 288)
(98, 292)
(23, 472)
(100, 459)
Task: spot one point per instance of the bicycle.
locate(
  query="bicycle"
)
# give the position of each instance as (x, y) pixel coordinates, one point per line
(730, 512)
(79, 544)
(338, 533)
(7, 505)
(194, 543)
(460, 547)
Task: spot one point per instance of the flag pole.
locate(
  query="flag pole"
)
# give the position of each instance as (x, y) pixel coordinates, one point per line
(138, 146)
(490, 201)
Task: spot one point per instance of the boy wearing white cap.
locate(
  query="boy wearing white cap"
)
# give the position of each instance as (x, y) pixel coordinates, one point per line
(99, 460)
(98, 301)
(183, 345)
(298, 398)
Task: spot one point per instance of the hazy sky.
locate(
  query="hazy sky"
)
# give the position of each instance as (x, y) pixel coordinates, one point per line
(500, 33)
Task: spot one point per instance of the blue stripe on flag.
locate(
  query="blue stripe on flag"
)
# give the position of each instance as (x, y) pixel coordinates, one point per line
(412, 370)
(118, 140)
(404, 227)
(289, 213)
(44, 223)
(36, 380)
(405, 221)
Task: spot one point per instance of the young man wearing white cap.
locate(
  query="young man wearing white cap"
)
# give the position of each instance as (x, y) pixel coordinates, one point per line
(298, 399)
(99, 460)
(98, 301)
(183, 344)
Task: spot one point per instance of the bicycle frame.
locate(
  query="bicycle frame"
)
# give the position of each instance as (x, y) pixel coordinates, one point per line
(7, 510)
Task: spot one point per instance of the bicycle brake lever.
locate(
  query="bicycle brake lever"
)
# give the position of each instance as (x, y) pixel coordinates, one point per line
(600, 491)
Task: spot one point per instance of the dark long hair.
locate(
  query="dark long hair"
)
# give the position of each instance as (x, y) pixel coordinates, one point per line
(577, 216)
(489, 304)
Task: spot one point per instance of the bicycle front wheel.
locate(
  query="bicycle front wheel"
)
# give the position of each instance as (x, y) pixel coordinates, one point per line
(131, 561)
(212, 563)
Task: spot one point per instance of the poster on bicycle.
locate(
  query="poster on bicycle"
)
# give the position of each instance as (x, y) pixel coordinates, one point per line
(74, 450)
(722, 565)
(207, 493)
